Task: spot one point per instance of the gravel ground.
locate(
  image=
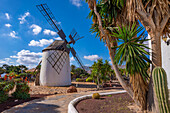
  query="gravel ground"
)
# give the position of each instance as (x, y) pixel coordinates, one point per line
(81, 87)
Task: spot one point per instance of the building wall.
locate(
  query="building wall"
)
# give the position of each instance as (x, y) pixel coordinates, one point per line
(49, 76)
(166, 60)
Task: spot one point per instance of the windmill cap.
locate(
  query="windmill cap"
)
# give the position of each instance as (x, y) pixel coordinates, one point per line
(56, 45)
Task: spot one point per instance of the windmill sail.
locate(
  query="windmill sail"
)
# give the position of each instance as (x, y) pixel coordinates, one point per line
(75, 55)
(57, 58)
(46, 12)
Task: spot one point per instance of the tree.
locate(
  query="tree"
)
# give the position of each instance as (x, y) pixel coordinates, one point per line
(98, 72)
(131, 51)
(104, 15)
(73, 67)
(154, 15)
(107, 70)
(2, 70)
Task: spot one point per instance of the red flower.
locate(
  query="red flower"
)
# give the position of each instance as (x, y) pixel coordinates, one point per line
(6, 76)
(0, 75)
(28, 81)
(10, 77)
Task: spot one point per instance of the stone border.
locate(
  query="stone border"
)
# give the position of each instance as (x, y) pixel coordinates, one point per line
(72, 109)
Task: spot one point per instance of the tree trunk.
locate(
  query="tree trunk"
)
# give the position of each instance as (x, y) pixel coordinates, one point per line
(118, 75)
(98, 83)
(112, 54)
(152, 102)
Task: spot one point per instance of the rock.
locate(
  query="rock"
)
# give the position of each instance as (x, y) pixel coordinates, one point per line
(95, 96)
(71, 89)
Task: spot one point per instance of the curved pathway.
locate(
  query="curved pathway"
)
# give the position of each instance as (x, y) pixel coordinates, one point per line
(51, 104)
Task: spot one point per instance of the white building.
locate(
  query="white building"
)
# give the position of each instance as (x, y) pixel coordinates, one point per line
(165, 58)
(55, 68)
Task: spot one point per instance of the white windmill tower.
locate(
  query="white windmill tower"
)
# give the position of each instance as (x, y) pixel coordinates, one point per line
(55, 68)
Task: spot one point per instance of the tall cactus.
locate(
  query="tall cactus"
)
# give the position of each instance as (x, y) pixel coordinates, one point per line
(161, 88)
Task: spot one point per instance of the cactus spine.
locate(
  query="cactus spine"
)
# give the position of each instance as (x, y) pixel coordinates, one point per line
(160, 85)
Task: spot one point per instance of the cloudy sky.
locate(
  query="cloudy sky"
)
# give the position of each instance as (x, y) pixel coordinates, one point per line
(24, 32)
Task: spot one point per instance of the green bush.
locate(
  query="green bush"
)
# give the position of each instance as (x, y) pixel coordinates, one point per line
(21, 95)
(89, 79)
(3, 96)
(22, 75)
(79, 80)
(8, 87)
(17, 80)
(22, 91)
(2, 85)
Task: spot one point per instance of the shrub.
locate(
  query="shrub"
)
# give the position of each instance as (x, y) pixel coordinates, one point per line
(8, 87)
(22, 75)
(83, 75)
(89, 79)
(21, 95)
(79, 80)
(22, 91)
(3, 96)
(95, 96)
(2, 85)
(17, 80)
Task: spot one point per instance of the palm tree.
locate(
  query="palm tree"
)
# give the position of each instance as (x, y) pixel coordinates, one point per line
(153, 14)
(131, 51)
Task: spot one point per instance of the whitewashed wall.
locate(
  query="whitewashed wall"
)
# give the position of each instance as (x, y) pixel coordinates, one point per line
(48, 75)
(165, 58)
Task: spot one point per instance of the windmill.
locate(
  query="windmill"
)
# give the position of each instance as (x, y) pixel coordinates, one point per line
(55, 68)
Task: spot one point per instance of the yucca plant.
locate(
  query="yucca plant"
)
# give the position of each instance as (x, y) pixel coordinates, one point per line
(132, 52)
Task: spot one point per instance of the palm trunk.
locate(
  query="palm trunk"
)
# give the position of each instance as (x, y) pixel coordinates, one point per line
(112, 54)
(152, 101)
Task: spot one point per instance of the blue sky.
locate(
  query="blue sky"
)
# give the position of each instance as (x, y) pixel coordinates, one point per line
(24, 32)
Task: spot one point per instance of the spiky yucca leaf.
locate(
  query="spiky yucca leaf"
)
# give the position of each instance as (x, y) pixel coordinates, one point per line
(132, 50)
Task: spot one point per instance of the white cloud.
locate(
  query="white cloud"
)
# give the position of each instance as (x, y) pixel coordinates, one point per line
(87, 65)
(49, 32)
(41, 42)
(8, 25)
(36, 29)
(13, 34)
(22, 18)
(28, 58)
(92, 57)
(58, 38)
(72, 59)
(6, 61)
(76, 2)
(7, 16)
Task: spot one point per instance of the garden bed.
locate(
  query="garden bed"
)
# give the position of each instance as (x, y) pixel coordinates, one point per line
(11, 102)
(116, 103)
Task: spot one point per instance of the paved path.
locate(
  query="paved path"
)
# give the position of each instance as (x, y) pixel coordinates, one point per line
(51, 104)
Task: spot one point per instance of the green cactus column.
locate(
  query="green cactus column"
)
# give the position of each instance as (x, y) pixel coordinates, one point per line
(161, 88)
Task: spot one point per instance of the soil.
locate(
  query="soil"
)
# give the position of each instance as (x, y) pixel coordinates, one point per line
(13, 102)
(81, 87)
(37, 92)
(117, 103)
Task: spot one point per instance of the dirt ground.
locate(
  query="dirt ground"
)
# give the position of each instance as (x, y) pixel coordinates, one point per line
(117, 103)
(81, 87)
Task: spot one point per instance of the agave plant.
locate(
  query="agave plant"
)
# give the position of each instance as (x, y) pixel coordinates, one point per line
(132, 52)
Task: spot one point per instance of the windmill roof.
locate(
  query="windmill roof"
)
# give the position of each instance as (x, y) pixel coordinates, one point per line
(56, 45)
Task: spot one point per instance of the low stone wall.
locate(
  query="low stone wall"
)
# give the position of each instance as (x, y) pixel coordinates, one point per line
(72, 109)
